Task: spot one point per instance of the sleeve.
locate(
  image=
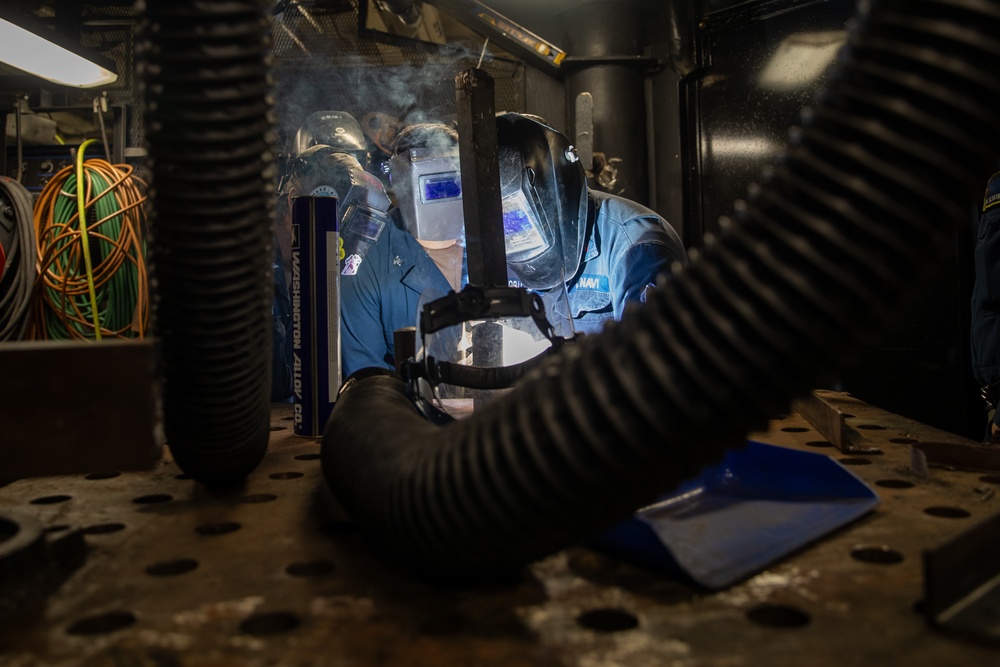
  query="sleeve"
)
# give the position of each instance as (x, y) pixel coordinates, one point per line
(647, 250)
(363, 342)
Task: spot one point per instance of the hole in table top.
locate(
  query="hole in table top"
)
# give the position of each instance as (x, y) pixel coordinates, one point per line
(607, 620)
(854, 461)
(870, 427)
(103, 528)
(307, 457)
(847, 415)
(285, 475)
(794, 429)
(171, 568)
(279, 428)
(258, 498)
(50, 500)
(316, 568)
(881, 555)
(894, 484)
(778, 616)
(947, 512)
(153, 499)
(103, 475)
(270, 623)
(338, 528)
(100, 624)
(8, 529)
(220, 528)
(819, 443)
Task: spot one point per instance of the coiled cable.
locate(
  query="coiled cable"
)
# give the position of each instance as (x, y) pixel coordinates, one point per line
(17, 276)
(92, 279)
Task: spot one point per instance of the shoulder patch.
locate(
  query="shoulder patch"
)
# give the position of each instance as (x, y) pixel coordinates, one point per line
(992, 196)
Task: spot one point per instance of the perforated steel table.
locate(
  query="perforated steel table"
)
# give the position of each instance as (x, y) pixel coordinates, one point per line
(273, 573)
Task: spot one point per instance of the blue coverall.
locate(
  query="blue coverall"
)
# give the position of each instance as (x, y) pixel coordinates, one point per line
(628, 246)
(382, 297)
(985, 325)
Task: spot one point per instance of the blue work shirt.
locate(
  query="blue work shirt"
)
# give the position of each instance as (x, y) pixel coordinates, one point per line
(382, 297)
(627, 247)
(985, 326)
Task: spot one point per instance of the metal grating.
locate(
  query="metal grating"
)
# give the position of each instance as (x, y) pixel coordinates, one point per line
(322, 62)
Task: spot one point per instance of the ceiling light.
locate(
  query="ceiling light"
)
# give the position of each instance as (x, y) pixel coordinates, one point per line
(39, 51)
(801, 58)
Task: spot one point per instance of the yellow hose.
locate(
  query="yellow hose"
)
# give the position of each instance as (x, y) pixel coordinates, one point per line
(82, 214)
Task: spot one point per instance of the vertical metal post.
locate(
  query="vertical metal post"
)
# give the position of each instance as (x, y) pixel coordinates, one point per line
(477, 143)
(602, 38)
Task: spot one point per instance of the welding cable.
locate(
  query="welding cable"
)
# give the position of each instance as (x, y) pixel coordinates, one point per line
(18, 272)
(81, 209)
(109, 296)
(809, 270)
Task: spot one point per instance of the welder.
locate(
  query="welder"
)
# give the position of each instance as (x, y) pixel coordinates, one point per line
(421, 251)
(607, 250)
(337, 129)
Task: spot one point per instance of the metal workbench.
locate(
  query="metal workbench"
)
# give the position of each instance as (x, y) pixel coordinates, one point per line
(169, 573)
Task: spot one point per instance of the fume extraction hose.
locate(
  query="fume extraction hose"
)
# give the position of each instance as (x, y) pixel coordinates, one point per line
(205, 76)
(807, 270)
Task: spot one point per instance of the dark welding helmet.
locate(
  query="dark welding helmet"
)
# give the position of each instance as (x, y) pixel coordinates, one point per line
(337, 129)
(426, 178)
(544, 194)
(363, 209)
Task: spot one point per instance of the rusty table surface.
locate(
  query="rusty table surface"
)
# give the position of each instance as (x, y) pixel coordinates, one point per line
(274, 574)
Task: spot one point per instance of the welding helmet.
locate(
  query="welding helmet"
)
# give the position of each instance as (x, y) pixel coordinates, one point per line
(363, 209)
(337, 129)
(543, 189)
(426, 178)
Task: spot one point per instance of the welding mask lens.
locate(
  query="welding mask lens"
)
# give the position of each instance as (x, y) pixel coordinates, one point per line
(523, 223)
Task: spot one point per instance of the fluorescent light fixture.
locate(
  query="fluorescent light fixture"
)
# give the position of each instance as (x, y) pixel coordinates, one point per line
(36, 54)
(748, 147)
(801, 58)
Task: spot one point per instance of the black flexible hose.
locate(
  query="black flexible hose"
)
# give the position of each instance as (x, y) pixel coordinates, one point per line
(17, 276)
(811, 268)
(206, 81)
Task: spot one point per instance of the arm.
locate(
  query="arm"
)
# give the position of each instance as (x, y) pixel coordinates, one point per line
(362, 336)
(647, 251)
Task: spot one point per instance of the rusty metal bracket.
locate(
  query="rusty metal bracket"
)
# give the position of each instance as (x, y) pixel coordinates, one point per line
(962, 582)
(959, 456)
(830, 422)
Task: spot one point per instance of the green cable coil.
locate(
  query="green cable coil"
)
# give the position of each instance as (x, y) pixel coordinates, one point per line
(114, 291)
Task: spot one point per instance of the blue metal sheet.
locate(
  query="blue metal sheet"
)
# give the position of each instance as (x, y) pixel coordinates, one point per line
(759, 505)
